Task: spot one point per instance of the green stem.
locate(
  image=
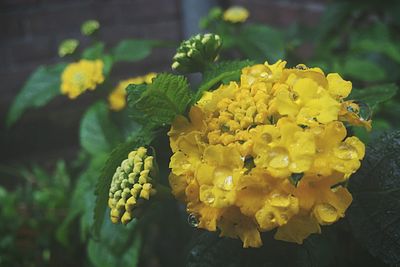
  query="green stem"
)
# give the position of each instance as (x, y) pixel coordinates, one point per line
(163, 192)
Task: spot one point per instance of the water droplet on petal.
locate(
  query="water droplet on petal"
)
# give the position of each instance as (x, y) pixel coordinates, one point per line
(301, 67)
(228, 183)
(193, 221)
(365, 112)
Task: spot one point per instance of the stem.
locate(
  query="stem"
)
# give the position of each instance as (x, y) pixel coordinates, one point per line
(163, 192)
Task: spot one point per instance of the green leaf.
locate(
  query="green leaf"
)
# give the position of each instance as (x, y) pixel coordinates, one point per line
(374, 95)
(118, 246)
(335, 16)
(94, 52)
(260, 43)
(143, 138)
(221, 72)
(42, 86)
(158, 103)
(376, 39)
(363, 70)
(375, 212)
(133, 50)
(108, 63)
(82, 201)
(210, 250)
(97, 133)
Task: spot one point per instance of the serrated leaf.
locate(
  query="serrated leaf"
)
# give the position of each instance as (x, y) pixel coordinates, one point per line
(133, 50)
(374, 95)
(158, 103)
(260, 43)
(363, 70)
(374, 214)
(42, 86)
(142, 138)
(97, 133)
(221, 72)
(93, 52)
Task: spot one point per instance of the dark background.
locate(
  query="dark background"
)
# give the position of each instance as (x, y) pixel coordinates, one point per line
(31, 30)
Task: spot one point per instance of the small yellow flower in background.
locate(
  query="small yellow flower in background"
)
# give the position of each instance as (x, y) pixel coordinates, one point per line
(81, 76)
(117, 98)
(236, 14)
(270, 151)
(131, 184)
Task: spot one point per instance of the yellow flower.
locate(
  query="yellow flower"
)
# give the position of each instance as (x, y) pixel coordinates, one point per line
(236, 14)
(117, 98)
(270, 151)
(81, 76)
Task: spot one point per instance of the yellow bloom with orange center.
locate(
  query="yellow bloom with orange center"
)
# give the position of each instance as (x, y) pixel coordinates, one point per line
(270, 151)
(117, 98)
(236, 14)
(81, 76)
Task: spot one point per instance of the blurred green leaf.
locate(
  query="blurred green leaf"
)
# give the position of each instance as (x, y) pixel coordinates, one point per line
(334, 17)
(374, 214)
(42, 86)
(260, 43)
(158, 103)
(133, 49)
(363, 70)
(82, 201)
(220, 72)
(97, 132)
(376, 39)
(142, 138)
(108, 63)
(119, 246)
(94, 51)
(374, 95)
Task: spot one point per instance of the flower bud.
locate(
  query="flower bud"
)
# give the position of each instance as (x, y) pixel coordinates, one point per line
(195, 54)
(132, 180)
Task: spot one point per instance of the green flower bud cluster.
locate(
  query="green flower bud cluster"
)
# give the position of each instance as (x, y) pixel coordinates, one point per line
(195, 54)
(131, 182)
(89, 27)
(67, 47)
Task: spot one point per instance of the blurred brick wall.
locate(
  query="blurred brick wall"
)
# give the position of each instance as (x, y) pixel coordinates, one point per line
(30, 31)
(283, 13)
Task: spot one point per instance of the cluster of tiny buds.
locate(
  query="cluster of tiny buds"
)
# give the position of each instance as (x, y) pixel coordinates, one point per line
(131, 183)
(199, 50)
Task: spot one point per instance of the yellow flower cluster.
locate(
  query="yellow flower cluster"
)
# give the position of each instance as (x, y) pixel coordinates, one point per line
(81, 76)
(130, 182)
(117, 98)
(236, 14)
(270, 151)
